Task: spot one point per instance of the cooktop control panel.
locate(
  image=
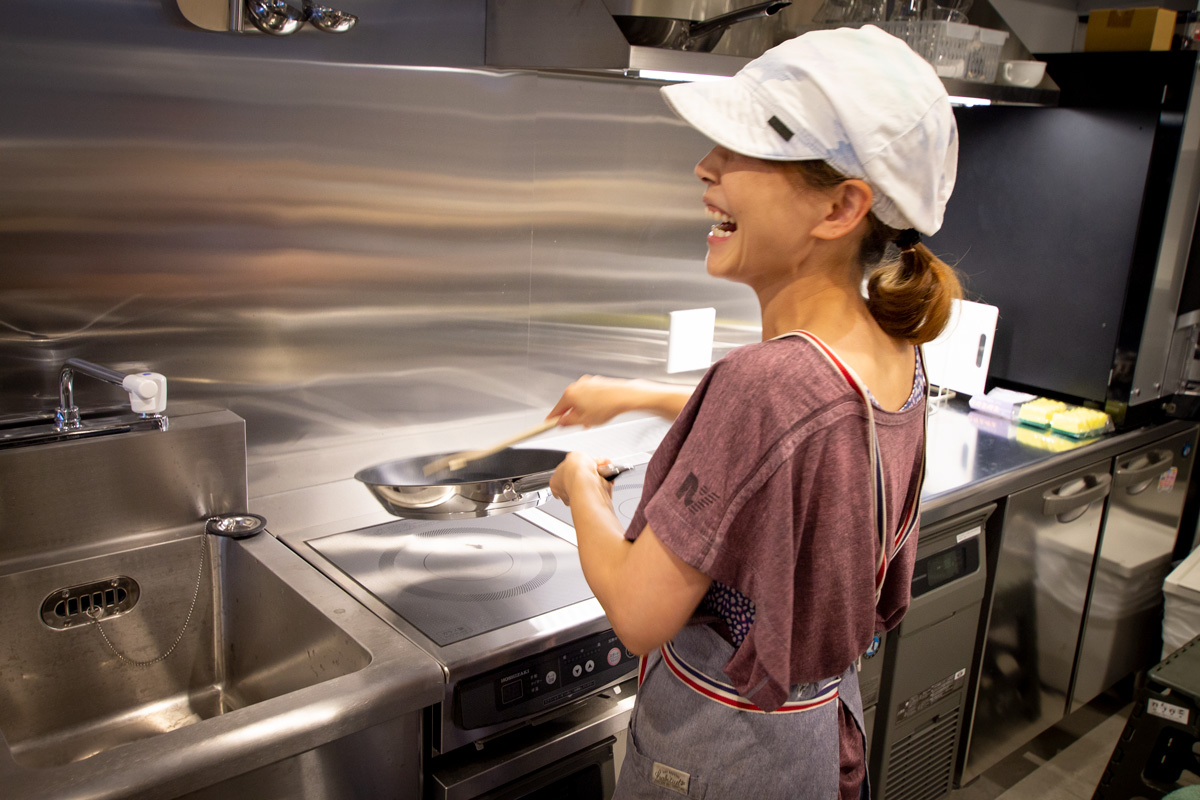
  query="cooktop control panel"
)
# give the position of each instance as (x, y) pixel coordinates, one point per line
(543, 682)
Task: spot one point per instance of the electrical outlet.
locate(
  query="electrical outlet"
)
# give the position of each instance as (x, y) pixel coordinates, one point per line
(690, 339)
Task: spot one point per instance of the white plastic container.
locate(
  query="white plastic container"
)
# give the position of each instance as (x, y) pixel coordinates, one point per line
(954, 49)
(1181, 614)
(1123, 618)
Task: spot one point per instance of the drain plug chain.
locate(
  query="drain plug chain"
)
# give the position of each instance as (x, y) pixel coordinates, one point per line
(95, 614)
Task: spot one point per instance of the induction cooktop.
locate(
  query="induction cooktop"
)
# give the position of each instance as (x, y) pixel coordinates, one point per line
(454, 580)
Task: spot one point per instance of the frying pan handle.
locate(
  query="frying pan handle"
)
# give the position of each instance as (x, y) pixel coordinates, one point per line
(610, 471)
(698, 29)
(541, 480)
(533, 482)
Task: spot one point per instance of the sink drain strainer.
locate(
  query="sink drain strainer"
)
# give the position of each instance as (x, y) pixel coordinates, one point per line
(76, 605)
(89, 603)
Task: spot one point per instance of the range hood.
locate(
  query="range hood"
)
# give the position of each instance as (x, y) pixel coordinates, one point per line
(582, 36)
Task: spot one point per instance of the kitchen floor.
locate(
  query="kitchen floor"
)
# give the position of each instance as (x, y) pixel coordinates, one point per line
(1064, 763)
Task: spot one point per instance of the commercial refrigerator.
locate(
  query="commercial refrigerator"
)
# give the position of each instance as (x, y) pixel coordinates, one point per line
(1036, 611)
(1122, 626)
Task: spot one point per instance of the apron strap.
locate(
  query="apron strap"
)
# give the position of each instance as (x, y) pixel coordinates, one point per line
(888, 546)
(727, 695)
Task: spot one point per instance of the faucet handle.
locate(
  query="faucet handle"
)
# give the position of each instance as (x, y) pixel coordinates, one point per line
(147, 392)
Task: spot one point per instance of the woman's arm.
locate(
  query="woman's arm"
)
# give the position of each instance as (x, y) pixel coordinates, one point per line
(594, 400)
(647, 592)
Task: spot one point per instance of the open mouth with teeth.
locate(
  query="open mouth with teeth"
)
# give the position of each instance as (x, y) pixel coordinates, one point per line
(725, 225)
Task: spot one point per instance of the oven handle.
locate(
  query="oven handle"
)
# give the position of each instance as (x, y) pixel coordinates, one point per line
(467, 773)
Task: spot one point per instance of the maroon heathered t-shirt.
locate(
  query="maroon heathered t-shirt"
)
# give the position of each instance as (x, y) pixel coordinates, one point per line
(763, 484)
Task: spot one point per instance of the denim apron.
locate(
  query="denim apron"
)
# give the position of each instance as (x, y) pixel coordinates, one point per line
(692, 735)
(682, 743)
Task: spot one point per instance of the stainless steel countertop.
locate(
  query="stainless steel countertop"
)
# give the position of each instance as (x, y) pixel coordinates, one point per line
(973, 458)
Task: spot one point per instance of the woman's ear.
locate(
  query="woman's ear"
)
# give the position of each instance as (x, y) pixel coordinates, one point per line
(850, 202)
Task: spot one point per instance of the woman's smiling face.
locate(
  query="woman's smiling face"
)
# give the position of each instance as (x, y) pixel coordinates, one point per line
(763, 212)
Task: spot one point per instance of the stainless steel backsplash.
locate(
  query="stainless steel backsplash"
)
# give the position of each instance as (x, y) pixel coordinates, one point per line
(362, 260)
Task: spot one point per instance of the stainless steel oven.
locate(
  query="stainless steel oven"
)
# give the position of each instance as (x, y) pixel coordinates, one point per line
(537, 686)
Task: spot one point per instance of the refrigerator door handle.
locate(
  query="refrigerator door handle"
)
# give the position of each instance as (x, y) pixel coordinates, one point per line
(1136, 480)
(1069, 507)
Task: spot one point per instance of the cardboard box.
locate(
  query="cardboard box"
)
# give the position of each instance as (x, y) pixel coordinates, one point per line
(1129, 29)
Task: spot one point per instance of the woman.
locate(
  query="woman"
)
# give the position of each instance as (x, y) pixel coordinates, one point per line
(773, 539)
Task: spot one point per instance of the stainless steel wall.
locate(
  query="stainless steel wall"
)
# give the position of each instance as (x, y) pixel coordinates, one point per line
(363, 260)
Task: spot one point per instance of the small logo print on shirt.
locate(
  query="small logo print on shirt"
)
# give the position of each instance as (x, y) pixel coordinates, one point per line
(670, 778)
(695, 497)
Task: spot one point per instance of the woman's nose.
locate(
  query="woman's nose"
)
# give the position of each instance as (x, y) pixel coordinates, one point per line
(709, 168)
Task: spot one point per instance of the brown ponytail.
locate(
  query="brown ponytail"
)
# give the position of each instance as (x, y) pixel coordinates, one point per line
(911, 296)
(909, 293)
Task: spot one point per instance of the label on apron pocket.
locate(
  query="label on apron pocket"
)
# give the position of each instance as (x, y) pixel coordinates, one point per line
(670, 778)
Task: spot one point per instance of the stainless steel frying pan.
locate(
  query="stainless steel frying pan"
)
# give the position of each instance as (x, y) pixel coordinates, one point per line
(510, 480)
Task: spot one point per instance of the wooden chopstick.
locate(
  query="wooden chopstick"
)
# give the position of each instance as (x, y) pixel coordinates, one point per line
(457, 461)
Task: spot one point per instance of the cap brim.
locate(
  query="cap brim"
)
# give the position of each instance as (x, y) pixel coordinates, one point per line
(728, 113)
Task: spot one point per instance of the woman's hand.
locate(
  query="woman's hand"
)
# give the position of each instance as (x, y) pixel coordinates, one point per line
(578, 474)
(647, 592)
(594, 400)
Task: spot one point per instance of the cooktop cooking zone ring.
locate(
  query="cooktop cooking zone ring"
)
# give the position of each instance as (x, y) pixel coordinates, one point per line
(472, 564)
(453, 581)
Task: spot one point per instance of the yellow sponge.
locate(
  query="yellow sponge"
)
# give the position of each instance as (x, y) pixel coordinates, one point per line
(1039, 411)
(1079, 421)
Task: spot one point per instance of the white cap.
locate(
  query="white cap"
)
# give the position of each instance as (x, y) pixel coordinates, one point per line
(858, 99)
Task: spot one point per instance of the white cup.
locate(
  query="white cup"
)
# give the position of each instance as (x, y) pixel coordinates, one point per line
(1022, 73)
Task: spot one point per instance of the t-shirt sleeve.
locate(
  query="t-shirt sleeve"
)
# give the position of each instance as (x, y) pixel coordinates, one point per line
(736, 443)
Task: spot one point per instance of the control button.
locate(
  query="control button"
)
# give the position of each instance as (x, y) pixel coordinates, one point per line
(511, 692)
(589, 666)
(576, 670)
(628, 653)
(551, 677)
(614, 656)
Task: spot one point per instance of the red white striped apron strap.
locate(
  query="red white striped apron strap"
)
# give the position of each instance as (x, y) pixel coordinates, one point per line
(908, 522)
(727, 695)
(887, 545)
(912, 514)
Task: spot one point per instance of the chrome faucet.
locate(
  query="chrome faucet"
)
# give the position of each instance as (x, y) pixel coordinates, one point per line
(147, 398)
(147, 392)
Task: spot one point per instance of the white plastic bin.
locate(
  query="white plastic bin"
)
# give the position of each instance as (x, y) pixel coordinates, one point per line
(1123, 618)
(1181, 614)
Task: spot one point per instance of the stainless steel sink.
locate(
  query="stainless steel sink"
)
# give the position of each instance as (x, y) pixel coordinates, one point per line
(281, 685)
(275, 660)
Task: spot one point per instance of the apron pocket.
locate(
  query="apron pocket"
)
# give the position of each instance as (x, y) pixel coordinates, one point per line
(643, 777)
